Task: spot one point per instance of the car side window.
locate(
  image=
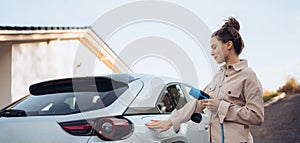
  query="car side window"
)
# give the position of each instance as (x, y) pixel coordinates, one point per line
(172, 98)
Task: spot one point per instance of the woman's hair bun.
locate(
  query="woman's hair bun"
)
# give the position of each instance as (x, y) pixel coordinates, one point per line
(232, 22)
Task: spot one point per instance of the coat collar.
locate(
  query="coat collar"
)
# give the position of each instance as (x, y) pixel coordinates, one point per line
(243, 63)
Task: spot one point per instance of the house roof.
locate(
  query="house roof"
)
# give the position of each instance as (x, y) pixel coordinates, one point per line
(86, 35)
(41, 28)
(38, 33)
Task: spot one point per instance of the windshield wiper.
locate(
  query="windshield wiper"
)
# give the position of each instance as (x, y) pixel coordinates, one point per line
(13, 113)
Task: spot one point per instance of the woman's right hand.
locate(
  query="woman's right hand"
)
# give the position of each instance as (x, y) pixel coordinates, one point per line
(163, 125)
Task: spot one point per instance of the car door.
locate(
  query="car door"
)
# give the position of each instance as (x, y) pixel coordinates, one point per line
(170, 98)
(175, 96)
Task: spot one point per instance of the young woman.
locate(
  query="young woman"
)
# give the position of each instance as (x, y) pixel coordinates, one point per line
(235, 93)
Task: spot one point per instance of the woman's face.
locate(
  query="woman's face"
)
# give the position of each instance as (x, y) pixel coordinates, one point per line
(218, 50)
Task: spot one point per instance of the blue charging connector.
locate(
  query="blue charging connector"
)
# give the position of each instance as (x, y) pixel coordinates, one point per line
(198, 94)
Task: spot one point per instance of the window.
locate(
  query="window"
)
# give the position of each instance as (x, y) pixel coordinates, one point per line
(72, 95)
(172, 98)
(68, 103)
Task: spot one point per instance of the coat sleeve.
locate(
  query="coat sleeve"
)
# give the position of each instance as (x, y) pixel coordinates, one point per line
(252, 113)
(184, 114)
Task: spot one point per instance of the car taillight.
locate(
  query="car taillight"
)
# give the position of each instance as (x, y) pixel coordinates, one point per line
(113, 128)
(108, 128)
(79, 128)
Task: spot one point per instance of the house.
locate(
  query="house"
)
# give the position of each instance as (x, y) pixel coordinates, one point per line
(32, 54)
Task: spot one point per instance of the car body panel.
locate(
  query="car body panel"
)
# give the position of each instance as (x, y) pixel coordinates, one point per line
(35, 129)
(189, 131)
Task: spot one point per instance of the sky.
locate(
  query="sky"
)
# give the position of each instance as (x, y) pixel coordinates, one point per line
(270, 29)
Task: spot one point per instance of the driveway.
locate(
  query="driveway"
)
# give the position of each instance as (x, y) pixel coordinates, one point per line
(282, 122)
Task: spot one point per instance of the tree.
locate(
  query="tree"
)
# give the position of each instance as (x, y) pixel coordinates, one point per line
(291, 86)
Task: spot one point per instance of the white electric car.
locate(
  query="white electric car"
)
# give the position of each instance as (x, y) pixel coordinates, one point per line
(110, 108)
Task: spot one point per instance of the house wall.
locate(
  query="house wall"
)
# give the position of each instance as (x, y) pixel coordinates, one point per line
(36, 62)
(5, 73)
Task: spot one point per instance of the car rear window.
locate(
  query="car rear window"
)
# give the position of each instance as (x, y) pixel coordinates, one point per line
(61, 97)
(68, 103)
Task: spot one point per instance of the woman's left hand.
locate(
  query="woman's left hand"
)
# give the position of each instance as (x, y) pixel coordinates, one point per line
(212, 104)
(162, 125)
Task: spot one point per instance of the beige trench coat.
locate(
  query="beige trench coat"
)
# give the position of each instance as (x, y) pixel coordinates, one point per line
(241, 104)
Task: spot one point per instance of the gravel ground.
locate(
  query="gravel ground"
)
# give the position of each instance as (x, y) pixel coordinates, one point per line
(282, 122)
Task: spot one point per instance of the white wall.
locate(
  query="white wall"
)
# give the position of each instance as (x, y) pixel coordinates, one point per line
(5, 73)
(35, 62)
